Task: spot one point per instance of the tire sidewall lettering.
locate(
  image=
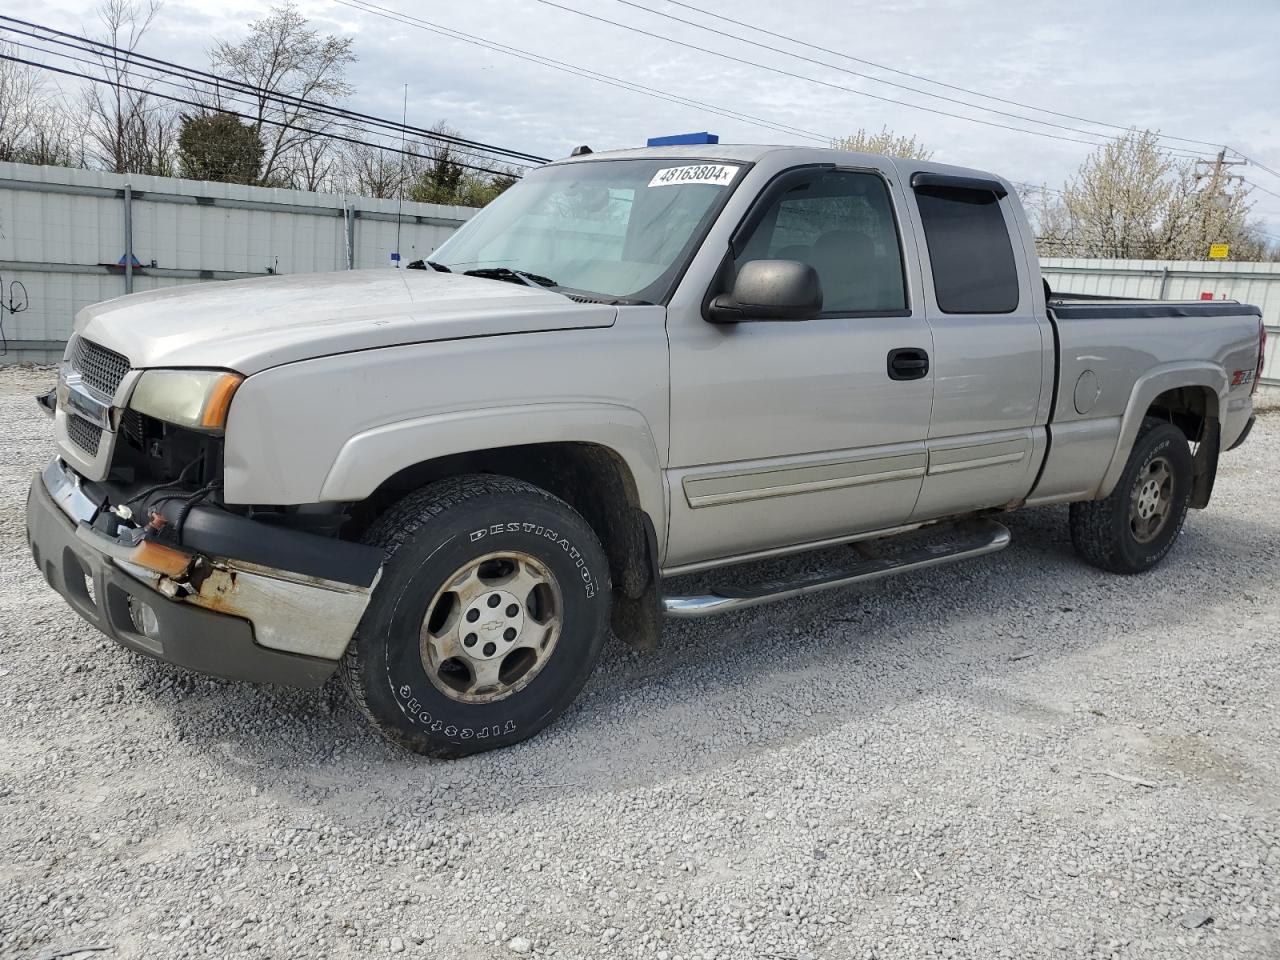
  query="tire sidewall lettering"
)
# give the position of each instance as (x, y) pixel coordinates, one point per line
(418, 715)
(590, 584)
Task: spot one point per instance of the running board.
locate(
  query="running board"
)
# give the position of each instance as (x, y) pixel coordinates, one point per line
(971, 538)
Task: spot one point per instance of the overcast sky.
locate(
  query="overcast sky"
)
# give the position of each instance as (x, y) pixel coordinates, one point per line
(1205, 71)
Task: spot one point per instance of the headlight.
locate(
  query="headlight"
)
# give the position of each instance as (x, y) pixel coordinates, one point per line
(198, 399)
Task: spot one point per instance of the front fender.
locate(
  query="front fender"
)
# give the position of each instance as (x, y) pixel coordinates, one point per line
(1169, 376)
(369, 458)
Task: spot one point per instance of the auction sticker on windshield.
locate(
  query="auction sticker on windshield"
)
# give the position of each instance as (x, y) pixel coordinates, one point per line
(721, 174)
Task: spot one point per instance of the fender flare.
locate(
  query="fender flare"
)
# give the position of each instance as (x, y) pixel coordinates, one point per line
(1168, 376)
(369, 458)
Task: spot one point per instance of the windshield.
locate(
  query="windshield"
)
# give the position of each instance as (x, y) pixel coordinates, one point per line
(615, 229)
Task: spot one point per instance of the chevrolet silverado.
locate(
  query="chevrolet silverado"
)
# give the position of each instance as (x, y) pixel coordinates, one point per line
(450, 483)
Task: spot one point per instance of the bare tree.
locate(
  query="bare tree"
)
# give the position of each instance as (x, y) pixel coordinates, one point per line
(428, 170)
(21, 97)
(129, 130)
(57, 138)
(316, 164)
(368, 170)
(287, 61)
(885, 142)
(36, 125)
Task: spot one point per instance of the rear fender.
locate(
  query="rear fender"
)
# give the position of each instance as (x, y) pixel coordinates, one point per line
(1169, 376)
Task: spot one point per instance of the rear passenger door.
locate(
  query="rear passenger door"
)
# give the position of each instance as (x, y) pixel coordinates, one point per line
(986, 435)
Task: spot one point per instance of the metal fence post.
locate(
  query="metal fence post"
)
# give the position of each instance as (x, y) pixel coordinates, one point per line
(351, 236)
(1164, 283)
(128, 238)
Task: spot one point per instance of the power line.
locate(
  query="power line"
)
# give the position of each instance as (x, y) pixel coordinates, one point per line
(815, 80)
(365, 6)
(1258, 186)
(1260, 166)
(83, 44)
(242, 116)
(867, 76)
(194, 75)
(899, 72)
(358, 133)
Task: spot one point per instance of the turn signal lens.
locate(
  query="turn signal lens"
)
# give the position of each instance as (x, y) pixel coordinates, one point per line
(219, 402)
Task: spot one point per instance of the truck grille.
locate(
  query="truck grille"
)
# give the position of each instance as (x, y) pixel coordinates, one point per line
(99, 368)
(131, 424)
(84, 434)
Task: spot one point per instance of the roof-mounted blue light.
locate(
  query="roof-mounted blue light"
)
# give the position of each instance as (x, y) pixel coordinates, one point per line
(683, 139)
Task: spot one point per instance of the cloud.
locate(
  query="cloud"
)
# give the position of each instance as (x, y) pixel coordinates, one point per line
(1177, 70)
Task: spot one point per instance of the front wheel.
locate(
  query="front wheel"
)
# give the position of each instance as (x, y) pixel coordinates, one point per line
(490, 614)
(1133, 528)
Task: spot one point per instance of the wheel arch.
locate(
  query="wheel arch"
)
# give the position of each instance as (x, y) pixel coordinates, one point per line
(603, 463)
(370, 460)
(1189, 395)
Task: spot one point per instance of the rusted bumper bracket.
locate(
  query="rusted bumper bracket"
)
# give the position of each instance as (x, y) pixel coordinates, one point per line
(288, 614)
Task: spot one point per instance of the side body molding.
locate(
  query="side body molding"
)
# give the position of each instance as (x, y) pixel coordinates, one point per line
(370, 457)
(1168, 376)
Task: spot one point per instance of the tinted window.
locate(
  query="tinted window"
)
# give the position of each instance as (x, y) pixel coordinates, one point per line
(842, 225)
(969, 250)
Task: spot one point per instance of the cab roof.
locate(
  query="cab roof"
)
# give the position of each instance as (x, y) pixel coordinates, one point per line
(780, 155)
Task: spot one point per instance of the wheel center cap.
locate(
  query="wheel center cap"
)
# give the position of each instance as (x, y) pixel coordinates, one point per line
(491, 625)
(1148, 499)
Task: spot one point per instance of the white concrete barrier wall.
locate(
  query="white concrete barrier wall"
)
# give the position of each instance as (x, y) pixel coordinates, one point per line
(63, 236)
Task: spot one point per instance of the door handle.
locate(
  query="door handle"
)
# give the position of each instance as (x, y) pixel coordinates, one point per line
(908, 363)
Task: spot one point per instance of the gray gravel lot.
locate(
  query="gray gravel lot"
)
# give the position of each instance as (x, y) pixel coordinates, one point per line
(1020, 757)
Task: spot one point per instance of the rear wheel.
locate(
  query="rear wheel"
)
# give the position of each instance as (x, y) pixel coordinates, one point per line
(489, 617)
(1133, 528)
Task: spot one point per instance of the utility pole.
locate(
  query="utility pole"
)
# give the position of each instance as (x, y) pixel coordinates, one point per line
(1218, 165)
(1218, 182)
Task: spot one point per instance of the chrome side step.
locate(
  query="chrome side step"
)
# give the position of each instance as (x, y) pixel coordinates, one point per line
(971, 538)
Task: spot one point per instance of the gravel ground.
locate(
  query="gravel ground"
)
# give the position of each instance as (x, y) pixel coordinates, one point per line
(1019, 757)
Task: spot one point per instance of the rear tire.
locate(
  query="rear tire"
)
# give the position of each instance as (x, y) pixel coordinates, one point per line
(488, 619)
(1132, 529)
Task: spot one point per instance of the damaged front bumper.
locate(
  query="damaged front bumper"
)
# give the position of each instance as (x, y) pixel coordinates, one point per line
(238, 598)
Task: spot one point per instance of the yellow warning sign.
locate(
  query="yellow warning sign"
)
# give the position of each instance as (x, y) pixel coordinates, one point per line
(1219, 251)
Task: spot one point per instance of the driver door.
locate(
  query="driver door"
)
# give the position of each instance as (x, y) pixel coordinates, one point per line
(787, 433)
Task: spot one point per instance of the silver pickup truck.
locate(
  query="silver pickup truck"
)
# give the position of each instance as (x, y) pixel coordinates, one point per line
(450, 483)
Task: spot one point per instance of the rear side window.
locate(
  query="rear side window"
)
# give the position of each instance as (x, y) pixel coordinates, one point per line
(969, 250)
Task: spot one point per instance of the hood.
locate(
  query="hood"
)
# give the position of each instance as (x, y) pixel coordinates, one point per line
(250, 325)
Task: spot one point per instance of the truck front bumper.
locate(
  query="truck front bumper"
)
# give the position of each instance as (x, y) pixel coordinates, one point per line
(214, 615)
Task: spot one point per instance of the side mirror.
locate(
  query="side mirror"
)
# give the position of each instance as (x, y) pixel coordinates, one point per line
(770, 290)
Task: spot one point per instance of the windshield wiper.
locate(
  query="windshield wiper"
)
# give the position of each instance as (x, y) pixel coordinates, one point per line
(512, 276)
(423, 264)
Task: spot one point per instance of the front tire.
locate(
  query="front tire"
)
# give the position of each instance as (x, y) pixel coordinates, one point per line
(488, 619)
(1132, 529)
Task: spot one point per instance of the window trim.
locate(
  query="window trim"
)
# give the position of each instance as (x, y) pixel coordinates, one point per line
(779, 184)
(922, 180)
